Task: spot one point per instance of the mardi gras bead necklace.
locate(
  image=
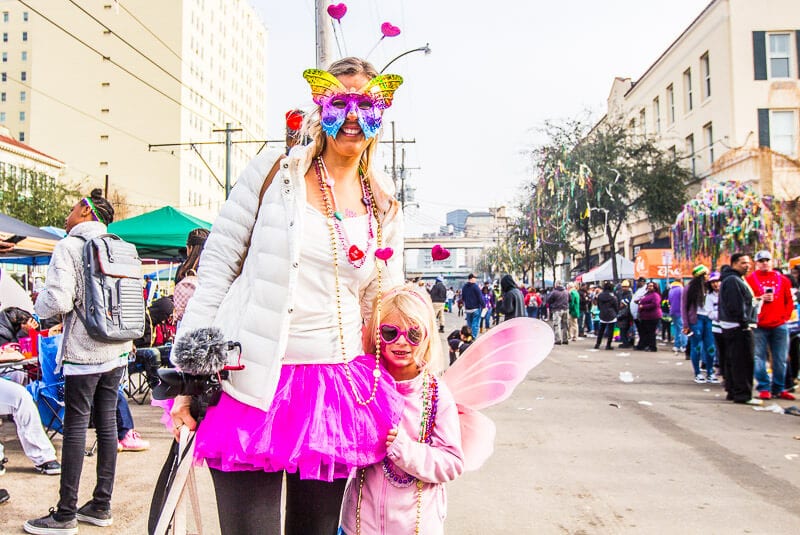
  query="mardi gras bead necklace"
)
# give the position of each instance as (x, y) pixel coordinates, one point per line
(355, 256)
(330, 218)
(398, 478)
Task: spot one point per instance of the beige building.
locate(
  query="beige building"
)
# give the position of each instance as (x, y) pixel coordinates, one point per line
(117, 77)
(726, 97)
(16, 156)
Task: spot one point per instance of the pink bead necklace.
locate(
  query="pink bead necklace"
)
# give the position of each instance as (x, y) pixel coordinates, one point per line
(355, 256)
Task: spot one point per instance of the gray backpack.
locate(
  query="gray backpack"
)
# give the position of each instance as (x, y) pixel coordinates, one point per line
(114, 300)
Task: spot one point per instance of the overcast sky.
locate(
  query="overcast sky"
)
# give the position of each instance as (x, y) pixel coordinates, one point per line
(497, 71)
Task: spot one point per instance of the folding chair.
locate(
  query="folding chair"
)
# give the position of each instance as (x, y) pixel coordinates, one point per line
(48, 392)
(142, 374)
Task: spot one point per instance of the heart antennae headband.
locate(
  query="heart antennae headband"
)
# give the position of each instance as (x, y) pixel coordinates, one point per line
(336, 101)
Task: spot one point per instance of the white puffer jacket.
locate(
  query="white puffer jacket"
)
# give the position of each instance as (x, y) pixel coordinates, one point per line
(256, 308)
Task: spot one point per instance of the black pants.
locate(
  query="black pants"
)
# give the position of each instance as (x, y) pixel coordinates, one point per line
(647, 334)
(739, 363)
(605, 328)
(249, 503)
(81, 393)
(625, 337)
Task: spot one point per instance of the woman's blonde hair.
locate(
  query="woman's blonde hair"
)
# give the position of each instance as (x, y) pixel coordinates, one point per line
(416, 307)
(313, 128)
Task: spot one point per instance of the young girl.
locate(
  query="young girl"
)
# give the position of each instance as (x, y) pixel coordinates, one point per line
(405, 492)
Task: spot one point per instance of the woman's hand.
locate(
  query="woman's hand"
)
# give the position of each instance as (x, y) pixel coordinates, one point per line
(181, 416)
(390, 438)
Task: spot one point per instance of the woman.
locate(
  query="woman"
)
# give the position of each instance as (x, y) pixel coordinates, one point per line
(649, 317)
(608, 307)
(186, 275)
(511, 304)
(696, 320)
(712, 309)
(293, 280)
(486, 312)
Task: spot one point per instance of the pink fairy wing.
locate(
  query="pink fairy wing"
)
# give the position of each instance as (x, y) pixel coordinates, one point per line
(477, 437)
(498, 361)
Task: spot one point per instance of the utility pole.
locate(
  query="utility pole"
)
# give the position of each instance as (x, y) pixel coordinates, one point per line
(324, 35)
(228, 130)
(394, 158)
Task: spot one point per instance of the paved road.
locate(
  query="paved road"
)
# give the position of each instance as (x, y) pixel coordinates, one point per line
(577, 452)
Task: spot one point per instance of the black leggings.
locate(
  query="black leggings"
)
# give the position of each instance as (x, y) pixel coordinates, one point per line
(249, 503)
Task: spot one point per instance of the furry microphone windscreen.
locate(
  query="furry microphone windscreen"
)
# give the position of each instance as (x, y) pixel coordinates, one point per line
(201, 351)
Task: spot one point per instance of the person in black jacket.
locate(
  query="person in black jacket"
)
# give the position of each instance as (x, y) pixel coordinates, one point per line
(512, 303)
(473, 303)
(737, 316)
(607, 303)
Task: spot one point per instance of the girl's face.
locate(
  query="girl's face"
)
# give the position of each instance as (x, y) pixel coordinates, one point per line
(79, 213)
(399, 354)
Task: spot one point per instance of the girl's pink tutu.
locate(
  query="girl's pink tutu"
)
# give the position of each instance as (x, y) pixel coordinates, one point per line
(314, 426)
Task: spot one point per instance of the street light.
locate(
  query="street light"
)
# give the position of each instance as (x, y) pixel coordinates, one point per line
(426, 49)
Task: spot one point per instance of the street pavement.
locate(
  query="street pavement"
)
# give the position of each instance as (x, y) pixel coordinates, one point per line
(578, 451)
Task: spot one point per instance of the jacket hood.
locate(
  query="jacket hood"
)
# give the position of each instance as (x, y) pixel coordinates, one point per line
(88, 230)
(507, 283)
(728, 271)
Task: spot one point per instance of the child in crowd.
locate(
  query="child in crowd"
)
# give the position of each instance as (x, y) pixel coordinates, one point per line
(459, 341)
(405, 492)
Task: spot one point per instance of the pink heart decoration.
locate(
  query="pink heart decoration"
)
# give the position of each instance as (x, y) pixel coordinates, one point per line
(337, 11)
(389, 30)
(439, 253)
(384, 254)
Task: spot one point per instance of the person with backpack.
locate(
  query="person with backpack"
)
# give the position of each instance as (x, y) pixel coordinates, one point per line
(92, 370)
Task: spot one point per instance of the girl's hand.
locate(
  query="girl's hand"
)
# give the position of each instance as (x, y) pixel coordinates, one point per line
(181, 416)
(390, 438)
(31, 324)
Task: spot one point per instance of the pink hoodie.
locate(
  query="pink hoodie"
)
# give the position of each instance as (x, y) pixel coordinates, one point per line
(389, 509)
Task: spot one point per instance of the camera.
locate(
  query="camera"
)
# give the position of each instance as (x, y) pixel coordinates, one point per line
(205, 390)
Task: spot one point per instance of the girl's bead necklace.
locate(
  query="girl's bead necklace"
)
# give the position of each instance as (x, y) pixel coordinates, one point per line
(330, 218)
(355, 256)
(398, 478)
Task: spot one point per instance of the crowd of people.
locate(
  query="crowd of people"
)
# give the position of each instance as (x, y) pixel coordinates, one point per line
(733, 324)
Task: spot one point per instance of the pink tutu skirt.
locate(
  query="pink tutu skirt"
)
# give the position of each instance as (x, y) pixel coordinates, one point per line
(314, 427)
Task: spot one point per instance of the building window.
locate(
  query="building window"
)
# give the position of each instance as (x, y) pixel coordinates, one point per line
(22, 116)
(23, 96)
(3, 77)
(708, 137)
(105, 84)
(25, 16)
(690, 152)
(103, 110)
(672, 152)
(657, 115)
(5, 37)
(783, 132)
(23, 76)
(705, 73)
(688, 103)
(670, 104)
(5, 57)
(643, 121)
(103, 164)
(22, 136)
(3, 96)
(778, 56)
(24, 36)
(104, 138)
(2, 116)
(5, 16)
(632, 126)
(24, 55)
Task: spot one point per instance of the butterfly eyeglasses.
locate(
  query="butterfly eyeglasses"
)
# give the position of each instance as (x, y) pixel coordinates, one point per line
(391, 333)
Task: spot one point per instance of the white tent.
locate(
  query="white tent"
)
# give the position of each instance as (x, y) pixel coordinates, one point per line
(12, 294)
(605, 271)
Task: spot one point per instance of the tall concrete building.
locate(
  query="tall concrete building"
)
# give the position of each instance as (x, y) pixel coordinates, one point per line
(725, 95)
(98, 81)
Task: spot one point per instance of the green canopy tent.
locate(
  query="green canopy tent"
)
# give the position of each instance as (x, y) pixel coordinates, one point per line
(160, 233)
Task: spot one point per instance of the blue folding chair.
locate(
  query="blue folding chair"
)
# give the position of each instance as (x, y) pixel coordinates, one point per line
(48, 392)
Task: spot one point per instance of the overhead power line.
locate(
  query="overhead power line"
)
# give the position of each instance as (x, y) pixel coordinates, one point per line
(108, 58)
(148, 30)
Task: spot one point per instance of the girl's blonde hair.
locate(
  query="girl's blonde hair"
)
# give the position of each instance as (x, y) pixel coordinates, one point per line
(416, 307)
(313, 128)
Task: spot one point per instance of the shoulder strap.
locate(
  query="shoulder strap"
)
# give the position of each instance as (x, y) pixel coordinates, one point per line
(268, 180)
